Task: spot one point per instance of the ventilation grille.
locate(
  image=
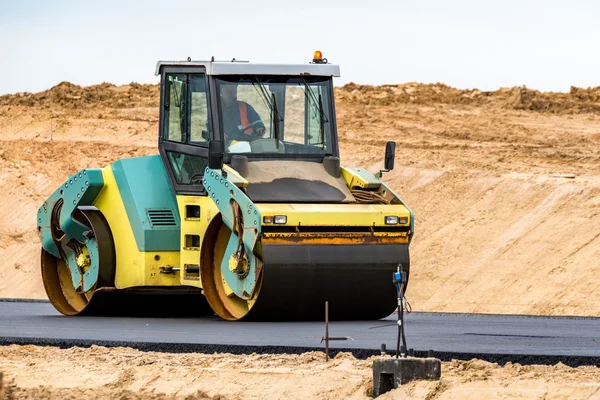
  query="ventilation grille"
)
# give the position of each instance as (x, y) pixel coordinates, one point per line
(160, 218)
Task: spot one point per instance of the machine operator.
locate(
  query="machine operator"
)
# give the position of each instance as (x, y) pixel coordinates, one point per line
(240, 119)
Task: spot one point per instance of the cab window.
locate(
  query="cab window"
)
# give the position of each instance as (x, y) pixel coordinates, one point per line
(279, 115)
(187, 169)
(186, 109)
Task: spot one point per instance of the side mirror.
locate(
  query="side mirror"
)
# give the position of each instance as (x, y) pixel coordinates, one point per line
(215, 154)
(390, 155)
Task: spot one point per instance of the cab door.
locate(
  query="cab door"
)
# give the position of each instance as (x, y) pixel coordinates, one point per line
(183, 144)
(184, 127)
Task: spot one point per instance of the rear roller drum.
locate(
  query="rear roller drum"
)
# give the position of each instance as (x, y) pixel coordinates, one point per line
(56, 272)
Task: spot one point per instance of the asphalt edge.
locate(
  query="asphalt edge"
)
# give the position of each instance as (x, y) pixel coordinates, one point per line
(180, 348)
(20, 300)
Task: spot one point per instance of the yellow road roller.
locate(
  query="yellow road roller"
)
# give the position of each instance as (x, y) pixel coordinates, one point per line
(246, 212)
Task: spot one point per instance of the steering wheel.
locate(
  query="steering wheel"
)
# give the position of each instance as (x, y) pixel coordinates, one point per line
(242, 137)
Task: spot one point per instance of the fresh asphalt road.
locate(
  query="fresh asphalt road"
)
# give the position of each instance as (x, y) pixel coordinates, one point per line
(468, 334)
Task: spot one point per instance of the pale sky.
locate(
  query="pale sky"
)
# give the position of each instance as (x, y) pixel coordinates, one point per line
(546, 45)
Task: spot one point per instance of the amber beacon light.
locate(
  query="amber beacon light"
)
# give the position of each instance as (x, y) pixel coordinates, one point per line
(318, 58)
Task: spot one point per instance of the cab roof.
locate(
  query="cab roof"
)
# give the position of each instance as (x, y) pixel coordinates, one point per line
(248, 68)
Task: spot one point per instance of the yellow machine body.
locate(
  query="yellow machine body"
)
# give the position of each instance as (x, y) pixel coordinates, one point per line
(135, 268)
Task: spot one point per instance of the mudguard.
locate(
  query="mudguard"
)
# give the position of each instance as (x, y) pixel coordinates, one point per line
(227, 197)
(57, 225)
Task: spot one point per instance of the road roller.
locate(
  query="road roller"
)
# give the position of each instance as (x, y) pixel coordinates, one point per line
(245, 212)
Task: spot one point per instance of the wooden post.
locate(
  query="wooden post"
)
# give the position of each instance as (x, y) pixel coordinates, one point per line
(1, 385)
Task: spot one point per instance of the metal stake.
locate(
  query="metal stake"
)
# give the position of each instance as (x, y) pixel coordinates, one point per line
(326, 331)
(326, 338)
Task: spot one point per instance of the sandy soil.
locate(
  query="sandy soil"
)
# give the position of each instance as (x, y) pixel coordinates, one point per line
(95, 373)
(495, 232)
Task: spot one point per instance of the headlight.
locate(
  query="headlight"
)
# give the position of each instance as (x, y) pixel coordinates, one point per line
(391, 220)
(280, 219)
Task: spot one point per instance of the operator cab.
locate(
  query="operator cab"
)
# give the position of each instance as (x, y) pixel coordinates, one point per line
(259, 111)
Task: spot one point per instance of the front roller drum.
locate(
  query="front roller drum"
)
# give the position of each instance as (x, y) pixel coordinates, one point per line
(219, 295)
(297, 279)
(356, 280)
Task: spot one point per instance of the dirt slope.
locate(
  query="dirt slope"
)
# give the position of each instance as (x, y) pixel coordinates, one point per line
(494, 231)
(101, 373)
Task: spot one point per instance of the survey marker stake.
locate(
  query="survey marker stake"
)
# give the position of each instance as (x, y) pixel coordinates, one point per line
(327, 338)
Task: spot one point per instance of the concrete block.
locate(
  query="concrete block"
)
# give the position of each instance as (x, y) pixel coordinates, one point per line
(389, 373)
